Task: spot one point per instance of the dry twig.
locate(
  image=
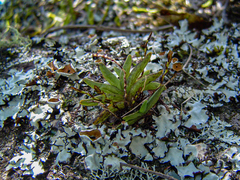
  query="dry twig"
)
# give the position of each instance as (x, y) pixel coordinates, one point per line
(105, 28)
(148, 171)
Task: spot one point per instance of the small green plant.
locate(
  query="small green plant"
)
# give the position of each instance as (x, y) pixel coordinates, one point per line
(125, 92)
(217, 50)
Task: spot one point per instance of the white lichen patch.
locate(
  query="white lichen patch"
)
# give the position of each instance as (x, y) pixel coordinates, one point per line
(174, 156)
(188, 170)
(179, 139)
(166, 122)
(196, 151)
(137, 145)
(63, 156)
(218, 129)
(113, 162)
(93, 161)
(161, 149)
(12, 94)
(27, 159)
(121, 142)
(197, 115)
(38, 113)
(12, 109)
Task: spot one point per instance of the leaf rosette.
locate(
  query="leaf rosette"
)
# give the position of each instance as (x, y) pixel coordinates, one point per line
(123, 92)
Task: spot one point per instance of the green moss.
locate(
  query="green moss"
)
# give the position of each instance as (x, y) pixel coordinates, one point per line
(12, 38)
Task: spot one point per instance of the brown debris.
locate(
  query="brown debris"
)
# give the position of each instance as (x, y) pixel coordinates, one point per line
(177, 66)
(49, 74)
(67, 69)
(53, 100)
(93, 134)
(52, 66)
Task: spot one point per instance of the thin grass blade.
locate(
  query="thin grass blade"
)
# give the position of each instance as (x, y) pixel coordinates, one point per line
(109, 76)
(152, 86)
(127, 65)
(132, 118)
(154, 98)
(89, 102)
(138, 69)
(143, 82)
(103, 87)
(118, 71)
(107, 113)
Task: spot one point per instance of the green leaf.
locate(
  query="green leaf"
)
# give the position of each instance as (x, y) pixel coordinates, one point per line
(143, 82)
(143, 107)
(102, 117)
(115, 97)
(90, 13)
(132, 118)
(146, 72)
(109, 76)
(101, 97)
(207, 4)
(126, 68)
(121, 77)
(106, 88)
(154, 98)
(106, 113)
(138, 69)
(117, 106)
(117, 21)
(108, 3)
(89, 102)
(152, 86)
(98, 90)
(146, 106)
(118, 71)
(127, 65)
(78, 90)
(94, 101)
(143, 10)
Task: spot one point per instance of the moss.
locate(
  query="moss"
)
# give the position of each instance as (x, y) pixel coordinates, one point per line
(12, 38)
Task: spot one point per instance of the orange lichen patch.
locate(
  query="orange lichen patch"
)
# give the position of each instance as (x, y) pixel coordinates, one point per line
(53, 100)
(52, 66)
(174, 60)
(91, 35)
(93, 134)
(165, 138)
(194, 128)
(177, 66)
(49, 74)
(115, 144)
(31, 83)
(74, 46)
(98, 61)
(99, 51)
(67, 69)
(18, 120)
(170, 53)
(162, 53)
